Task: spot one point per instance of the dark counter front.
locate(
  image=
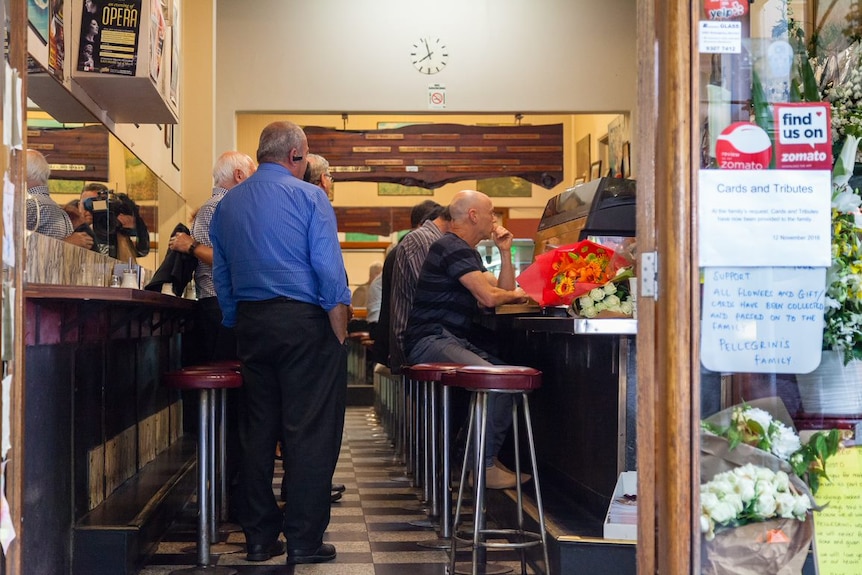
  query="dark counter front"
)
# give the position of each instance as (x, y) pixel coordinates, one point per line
(584, 415)
(96, 414)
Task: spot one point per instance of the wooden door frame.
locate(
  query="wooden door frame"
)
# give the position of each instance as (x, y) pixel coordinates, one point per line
(668, 405)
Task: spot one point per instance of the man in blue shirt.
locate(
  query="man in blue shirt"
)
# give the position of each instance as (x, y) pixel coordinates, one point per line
(280, 280)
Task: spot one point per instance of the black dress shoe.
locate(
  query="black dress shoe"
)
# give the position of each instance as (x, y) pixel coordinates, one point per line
(338, 487)
(261, 552)
(326, 552)
(334, 496)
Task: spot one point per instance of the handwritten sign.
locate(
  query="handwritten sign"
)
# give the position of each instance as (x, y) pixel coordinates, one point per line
(838, 527)
(765, 217)
(762, 320)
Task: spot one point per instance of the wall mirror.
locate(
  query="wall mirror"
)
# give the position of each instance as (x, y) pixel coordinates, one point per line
(82, 149)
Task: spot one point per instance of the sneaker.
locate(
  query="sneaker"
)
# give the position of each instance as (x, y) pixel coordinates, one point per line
(498, 464)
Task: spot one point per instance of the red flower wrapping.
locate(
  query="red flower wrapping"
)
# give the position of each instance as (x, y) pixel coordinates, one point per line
(561, 275)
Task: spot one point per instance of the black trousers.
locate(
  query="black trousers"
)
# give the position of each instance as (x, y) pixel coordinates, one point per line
(295, 390)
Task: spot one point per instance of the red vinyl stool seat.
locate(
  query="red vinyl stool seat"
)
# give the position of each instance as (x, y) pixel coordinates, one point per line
(481, 381)
(207, 379)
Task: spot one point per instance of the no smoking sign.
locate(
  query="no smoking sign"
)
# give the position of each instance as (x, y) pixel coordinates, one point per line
(436, 97)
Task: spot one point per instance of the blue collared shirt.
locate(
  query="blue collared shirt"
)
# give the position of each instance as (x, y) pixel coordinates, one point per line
(274, 236)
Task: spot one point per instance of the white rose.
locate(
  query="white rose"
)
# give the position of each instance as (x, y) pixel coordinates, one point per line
(784, 441)
(760, 416)
(765, 505)
(612, 301)
(627, 307)
(784, 504)
(585, 301)
(589, 312)
(598, 294)
(782, 481)
(610, 288)
(705, 524)
(745, 489)
(724, 512)
(801, 507)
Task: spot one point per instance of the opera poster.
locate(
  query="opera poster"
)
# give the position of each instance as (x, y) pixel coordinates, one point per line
(110, 30)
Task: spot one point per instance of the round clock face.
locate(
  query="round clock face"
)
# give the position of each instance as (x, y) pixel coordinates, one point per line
(429, 55)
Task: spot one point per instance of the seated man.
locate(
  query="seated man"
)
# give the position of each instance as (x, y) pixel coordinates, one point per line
(452, 284)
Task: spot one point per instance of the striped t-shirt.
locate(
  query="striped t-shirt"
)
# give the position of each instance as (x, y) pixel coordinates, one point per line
(441, 300)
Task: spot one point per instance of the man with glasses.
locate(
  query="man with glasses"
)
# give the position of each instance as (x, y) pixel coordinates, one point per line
(318, 174)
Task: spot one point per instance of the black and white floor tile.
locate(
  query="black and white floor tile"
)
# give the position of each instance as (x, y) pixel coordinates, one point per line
(370, 527)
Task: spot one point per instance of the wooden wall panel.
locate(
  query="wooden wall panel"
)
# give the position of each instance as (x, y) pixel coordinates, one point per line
(430, 155)
(74, 153)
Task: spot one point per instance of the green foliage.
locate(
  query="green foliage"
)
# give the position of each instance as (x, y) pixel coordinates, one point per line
(809, 462)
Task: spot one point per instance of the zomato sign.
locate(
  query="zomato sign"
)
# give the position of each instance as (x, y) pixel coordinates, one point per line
(803, 136)
(725, 9)
(743, 146)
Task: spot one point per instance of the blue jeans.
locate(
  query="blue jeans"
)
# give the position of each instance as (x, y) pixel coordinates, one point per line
(445, 347)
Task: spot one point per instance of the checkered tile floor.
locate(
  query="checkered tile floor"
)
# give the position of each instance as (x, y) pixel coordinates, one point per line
(370, 527)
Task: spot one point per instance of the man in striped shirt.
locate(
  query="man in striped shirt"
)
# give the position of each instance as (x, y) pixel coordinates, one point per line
(44, 216)
(230, 169)
(452, 284)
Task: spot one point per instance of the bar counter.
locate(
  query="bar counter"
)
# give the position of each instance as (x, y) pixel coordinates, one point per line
(101, 432)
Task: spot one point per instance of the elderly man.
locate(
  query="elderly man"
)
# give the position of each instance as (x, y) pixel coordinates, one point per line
(318, 174)
(230, 169)
(44, 216)
(280, 279)
(452, 284)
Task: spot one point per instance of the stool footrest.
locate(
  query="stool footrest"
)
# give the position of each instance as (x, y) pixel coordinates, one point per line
(533, 538)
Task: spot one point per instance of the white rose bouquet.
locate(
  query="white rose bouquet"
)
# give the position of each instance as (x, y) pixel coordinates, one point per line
(613, 299)
(757, 427)
(749, 494)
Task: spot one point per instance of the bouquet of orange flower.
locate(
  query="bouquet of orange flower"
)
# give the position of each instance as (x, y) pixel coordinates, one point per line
(561, 275)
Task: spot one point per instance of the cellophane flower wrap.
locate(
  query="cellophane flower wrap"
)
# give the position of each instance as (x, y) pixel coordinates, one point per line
(755, 510)
(561, 275)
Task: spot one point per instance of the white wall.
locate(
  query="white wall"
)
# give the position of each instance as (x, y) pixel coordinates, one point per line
(353, 56)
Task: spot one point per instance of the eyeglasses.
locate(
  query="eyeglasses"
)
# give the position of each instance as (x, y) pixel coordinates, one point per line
(328, 175)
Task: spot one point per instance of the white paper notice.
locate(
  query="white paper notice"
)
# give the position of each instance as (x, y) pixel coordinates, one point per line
(719, 37)
(8, 227)
(765, 218)
(762, 320)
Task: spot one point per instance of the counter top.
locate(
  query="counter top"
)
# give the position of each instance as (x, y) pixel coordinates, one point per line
(578, 326)
(107, 294)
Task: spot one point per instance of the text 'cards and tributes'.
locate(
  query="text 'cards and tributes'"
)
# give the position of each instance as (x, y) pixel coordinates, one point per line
(765, 243)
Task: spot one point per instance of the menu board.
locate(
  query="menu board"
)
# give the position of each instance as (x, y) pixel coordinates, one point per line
(838, 527)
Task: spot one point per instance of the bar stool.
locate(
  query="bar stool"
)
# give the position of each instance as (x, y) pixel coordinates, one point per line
(221, 430)
(206, 379)
(436, 484)
(480, 381)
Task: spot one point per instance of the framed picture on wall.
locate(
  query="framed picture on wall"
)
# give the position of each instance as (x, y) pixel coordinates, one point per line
(582, 157)
(627, 160)
(596, 170)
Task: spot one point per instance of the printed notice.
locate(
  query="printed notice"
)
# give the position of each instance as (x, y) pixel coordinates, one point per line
(720, 37)
(765, 218)
(762, 320)
(838, 527)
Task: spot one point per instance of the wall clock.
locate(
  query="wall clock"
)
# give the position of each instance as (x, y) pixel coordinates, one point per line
(429, 55)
